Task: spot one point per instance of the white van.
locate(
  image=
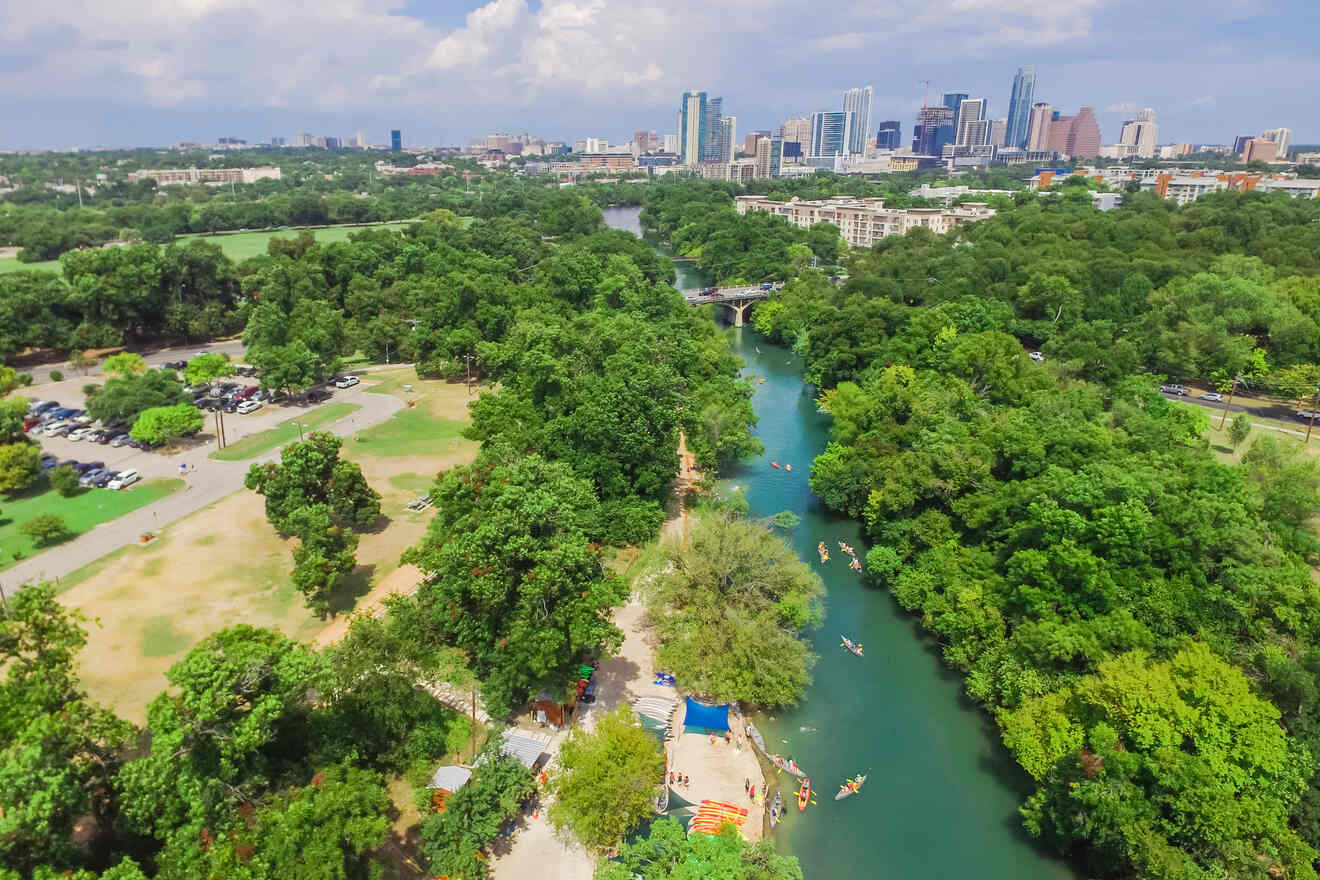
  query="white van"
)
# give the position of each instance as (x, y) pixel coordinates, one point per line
(124, 479)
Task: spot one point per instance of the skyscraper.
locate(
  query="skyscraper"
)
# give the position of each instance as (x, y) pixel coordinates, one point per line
(953, 100)
(396, 139)
(798, 129)
(1240, 143)
(998, 130)
(769, 155)
(889, 136)
(831, 132)
(1038, 128)
(933, 130)
(691, 127)
(973, 128)
(1281, 137)
(858, 102)
(728, 139)
(710, 151)
(1076, 136)
(1141, 133)
(1019, 106)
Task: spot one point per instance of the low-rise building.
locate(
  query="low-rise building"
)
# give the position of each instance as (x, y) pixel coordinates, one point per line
(862, 222)
(208, 176)
(1297, 188)
(949, 194)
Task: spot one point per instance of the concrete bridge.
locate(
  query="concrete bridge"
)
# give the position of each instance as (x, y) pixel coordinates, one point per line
(736, 299)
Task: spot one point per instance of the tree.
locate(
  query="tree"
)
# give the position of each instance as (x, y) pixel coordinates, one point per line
(1239, 429)
(206, 368)
(737, 592)
(669, 853)
(123, 398)
(20, 465)
(311, 472)
(511, 578)
(45, 529)
(58, 750)
(605, 781)
(324, 555)
(64, 479)
(454, 839)
(56, 376)
(126, 363)
(233, 721)
(78, 360)
(162, 423)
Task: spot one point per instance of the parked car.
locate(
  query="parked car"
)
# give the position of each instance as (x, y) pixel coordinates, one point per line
(120, 440)
(248, 406)
(62, 413)
(102, 478)
(175, 365)
(82, 433)
(316, 395)
(85, 466)
(246, 393)
(1213, 397)
(54, 428)
(346, 382)
(1037, 356)
(68, 462)
(48, 461)
(40, 406)
(230, 404)
(1174, 389)
(89, 477)
(123, 479)
(1305, 415)
(31, 422)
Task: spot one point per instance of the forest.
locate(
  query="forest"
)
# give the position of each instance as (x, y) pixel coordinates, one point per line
(1139, 616)
(266, 759)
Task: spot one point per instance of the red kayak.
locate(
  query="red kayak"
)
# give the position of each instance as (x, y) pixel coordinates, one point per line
(774, 464)
(804, 794)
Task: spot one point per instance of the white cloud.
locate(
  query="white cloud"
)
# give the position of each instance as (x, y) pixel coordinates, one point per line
(343, 55)
(1122, 107)
(1204, 101)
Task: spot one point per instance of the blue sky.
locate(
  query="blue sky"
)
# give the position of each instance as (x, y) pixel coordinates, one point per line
(115, 73)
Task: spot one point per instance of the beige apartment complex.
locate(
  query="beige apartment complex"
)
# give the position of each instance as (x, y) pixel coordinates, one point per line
(863, 222)
(210, 176)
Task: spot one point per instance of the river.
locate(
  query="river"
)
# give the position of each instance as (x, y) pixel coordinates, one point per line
(942, 796)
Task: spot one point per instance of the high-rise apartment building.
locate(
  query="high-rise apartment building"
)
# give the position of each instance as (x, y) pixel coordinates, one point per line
(593, 145)
(1281, 138)
(953, 100)
(769, 156)
(302, 139)
(1260, 150)
(858, 102)
(728, 144)
(1141, 133)
(933, 130)
(671, 142)
(998, 131)
(1038, 128)
(798, 130)
(749, 142)
(890, 135)
(396, 139)
(831, 133)
(1240, 143)
(691, 127)
(1019, 106)
(714, 130)
(1076, 136)
(973, 128)
(360, 140)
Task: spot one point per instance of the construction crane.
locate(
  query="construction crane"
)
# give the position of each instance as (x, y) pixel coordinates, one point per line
(925, 92)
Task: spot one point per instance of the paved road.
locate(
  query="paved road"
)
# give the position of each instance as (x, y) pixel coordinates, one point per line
(1277, 412)
(206, 482)
(154, 358)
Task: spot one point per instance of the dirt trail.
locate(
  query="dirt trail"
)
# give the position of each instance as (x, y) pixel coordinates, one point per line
(403, 581)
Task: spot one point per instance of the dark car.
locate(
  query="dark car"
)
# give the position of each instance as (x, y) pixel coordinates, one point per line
(68, 462)
(63, 412)
(102, 477)
(104, 436)
(230, 404)
(48, 462)
(316, 395)
(89, 478)
(85, 466)
(46, 407)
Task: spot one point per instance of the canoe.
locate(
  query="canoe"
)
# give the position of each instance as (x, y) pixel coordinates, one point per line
(850, 788)
(804, 794)
(852, 646)
(789, 766)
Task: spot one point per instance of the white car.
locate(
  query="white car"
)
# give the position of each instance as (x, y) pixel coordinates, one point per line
(81, 434)
(1213, 397)
(54, 427)
(123, 479)
(248, 406)
(346, 382)
(1037, 356)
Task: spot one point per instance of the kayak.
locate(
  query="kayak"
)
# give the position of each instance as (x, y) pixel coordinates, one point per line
(789, 766)
(774, 464)
(855, 565)
(804, 794)
(850, 788)
(776, 810)
(846, 548)
(788, 467)
(852, 646)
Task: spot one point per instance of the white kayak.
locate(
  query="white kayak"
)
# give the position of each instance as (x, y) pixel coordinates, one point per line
(850, 788)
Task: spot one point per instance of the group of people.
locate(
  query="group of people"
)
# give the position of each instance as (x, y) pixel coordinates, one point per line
(678, 779)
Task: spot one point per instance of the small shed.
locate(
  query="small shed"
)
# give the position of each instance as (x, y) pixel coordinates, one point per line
(525, 747)
(547, 709)
(445, 781)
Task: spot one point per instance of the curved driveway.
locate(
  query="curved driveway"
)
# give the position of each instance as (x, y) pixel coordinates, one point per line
(207, 481)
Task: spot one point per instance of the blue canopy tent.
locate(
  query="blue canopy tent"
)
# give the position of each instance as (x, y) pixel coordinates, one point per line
(706, 718)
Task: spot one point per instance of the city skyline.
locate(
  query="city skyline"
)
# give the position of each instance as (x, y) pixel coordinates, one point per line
(119, 76)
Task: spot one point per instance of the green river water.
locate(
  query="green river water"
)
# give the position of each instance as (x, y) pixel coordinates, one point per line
(942, 795)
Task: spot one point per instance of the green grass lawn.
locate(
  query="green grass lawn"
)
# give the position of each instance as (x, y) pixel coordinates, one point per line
(411, 432)
(241, 245)
(285, 432)
(11, 264)
(89, 508)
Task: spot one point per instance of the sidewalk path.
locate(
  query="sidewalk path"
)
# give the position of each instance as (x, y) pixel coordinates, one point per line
(206, 482)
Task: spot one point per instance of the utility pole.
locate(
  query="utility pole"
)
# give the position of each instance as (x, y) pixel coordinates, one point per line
(1311, 424)
(468, 358)
(1229, 402)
